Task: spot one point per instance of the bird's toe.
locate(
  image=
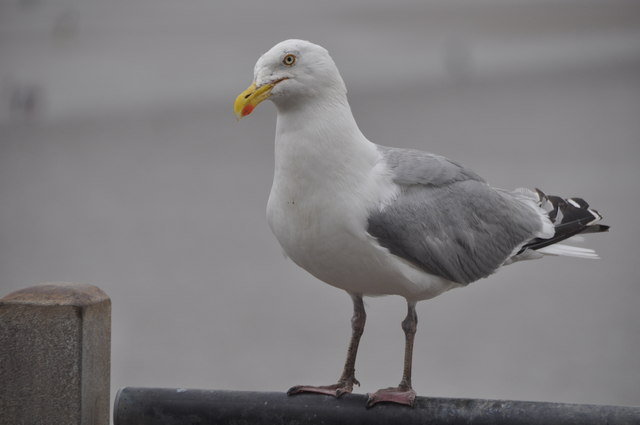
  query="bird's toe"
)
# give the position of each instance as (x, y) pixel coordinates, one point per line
(398, 395)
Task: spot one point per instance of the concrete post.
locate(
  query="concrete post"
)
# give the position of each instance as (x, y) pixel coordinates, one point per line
(55, 346)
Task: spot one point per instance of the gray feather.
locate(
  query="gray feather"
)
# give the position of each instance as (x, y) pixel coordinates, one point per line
(447, 220)
(411, 167)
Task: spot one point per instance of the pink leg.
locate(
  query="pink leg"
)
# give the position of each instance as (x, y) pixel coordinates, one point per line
(403, 393)
(348, 378)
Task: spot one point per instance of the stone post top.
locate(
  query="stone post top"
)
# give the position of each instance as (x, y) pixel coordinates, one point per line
(57, 293)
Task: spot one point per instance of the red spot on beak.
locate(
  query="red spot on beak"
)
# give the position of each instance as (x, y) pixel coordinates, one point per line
(247, 110)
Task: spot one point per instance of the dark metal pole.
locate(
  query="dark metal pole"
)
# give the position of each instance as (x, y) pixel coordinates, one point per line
(172, 406)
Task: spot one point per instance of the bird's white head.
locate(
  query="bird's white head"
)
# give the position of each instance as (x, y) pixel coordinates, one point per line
(292, 71)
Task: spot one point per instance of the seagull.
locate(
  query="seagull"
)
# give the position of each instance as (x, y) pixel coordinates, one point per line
(375, 220)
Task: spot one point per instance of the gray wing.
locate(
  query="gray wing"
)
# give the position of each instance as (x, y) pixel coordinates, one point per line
(413, 167)
(447, 220)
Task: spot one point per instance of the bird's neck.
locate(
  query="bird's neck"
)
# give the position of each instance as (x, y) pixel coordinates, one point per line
(320, 140)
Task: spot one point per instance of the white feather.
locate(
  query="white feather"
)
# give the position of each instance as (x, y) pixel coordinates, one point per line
(569, 251)
(574, 203)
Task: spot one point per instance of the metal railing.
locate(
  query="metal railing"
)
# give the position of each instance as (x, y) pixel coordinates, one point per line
(179, 406)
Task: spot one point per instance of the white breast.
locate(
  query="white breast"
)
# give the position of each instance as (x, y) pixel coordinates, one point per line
(318, 203)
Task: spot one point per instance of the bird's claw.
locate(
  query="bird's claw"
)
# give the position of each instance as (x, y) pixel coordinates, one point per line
(335, 390)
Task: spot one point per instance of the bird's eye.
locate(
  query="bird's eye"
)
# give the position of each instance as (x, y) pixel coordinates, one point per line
(289, 59)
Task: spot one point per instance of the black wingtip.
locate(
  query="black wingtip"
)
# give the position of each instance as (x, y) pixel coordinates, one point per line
(596, 228)
(570, 217)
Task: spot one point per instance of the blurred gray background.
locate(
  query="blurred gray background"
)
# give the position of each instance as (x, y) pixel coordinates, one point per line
(121, 165)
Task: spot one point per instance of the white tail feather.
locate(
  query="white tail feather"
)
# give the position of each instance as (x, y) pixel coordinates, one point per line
(569, 251)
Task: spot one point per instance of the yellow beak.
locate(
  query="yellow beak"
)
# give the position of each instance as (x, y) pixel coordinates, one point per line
(250, 98)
